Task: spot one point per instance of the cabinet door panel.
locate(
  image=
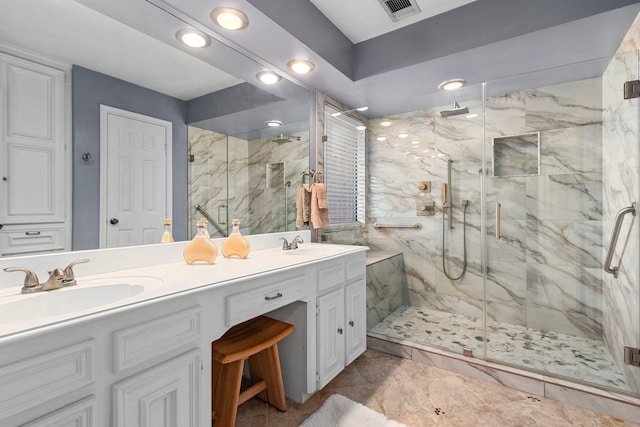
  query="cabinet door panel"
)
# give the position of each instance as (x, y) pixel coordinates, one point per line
(32, 147)
(330, 336)
(356, 320)
(166, 395)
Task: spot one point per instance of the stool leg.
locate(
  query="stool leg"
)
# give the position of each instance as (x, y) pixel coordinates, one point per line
(226, 390)
(266, 365)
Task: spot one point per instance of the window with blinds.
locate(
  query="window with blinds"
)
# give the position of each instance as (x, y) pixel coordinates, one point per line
(344, 167)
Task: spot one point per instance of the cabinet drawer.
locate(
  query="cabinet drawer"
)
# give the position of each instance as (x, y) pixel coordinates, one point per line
(31, 382)
(330, 275)
(156, 339)
(31, 238)
(246, 305)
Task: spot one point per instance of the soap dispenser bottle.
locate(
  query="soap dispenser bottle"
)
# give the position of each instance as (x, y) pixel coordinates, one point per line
(201, 248)
(236, 244)
(167, 237)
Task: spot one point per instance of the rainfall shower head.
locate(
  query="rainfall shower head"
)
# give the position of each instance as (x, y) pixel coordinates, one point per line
(455, 111)
(285, 138)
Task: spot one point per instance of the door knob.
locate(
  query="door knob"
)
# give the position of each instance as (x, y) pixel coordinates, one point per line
(114, 221)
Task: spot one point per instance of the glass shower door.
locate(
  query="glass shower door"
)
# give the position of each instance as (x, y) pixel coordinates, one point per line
(562, 159)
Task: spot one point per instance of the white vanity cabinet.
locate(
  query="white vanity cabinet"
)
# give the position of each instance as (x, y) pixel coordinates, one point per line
(136, 369)
(147, 362)
(34, 149)
(341, 312)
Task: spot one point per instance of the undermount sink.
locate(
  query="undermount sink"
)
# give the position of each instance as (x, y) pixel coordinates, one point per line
(87, 294)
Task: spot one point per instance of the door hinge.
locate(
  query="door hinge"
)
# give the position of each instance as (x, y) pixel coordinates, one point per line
(632, 89)
(317, 379)
(317, 310)
(325, 138)
(632, 356)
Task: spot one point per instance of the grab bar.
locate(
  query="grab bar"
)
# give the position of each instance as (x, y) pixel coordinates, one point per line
(414, 226)
(211, 220)
(498, 206)
(614, 238)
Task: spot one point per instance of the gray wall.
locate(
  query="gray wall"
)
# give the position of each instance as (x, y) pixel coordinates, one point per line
(90, 89)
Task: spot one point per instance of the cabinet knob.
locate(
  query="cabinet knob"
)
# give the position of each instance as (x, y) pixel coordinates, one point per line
(4, 178)
(351, 323)
(340, 331)
(1, 226)
(114, 221)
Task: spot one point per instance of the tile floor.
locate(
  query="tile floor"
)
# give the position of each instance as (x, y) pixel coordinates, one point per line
(570, 356)
(420, 395)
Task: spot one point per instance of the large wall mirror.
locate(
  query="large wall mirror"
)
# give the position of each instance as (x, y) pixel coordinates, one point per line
(226, 162)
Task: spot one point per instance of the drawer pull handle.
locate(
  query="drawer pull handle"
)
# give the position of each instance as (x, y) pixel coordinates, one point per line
(351, 323)
(278, 295)
(340, 331)
(32, 233)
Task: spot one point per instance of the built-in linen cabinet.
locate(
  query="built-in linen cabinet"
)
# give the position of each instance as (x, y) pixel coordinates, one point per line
(341, 312)
(34, 150)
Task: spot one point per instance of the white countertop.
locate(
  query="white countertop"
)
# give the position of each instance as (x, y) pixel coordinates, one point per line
(23, 315)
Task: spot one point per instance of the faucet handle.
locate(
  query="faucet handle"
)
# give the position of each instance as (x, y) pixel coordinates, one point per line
(285, 244)
(31, 282)
(295, 241)
(69, 276)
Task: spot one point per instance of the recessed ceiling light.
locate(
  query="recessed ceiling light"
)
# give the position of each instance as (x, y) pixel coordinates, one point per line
(452, 84)
(361, 127)
(193, 38)
(301, 66)
(403, 135)
(415, 142)
(381, 138)
(471, 116)
(385, 123)
(229, 18)
(362, 108)
(268, 77)
(273, 123)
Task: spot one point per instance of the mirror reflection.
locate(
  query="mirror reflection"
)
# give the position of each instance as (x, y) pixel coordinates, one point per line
(64, 61)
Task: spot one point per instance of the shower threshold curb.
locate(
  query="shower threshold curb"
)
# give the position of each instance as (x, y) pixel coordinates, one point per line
(606, 402)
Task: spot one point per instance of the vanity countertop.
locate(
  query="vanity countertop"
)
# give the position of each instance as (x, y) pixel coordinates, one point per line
(122, 289)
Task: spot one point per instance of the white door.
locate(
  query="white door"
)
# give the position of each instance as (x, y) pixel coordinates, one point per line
(135, 177)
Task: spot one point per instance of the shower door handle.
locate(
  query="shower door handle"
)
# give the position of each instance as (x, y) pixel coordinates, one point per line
(614, 238)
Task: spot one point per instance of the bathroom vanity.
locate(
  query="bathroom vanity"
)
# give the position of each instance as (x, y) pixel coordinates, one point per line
(130, 344)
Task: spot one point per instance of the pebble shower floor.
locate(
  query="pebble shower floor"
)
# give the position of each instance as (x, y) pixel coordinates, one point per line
(566, 355)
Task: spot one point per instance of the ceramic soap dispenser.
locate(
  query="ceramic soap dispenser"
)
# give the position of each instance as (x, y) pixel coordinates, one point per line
(236, 244)
(201, 248)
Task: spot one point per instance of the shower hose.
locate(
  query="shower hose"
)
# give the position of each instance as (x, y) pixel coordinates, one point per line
(464, 244)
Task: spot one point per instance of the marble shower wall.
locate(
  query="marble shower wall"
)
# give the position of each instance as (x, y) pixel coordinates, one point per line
(621, 188)
(207, 175)
(267, 205)
(232, 171)
(545, 271)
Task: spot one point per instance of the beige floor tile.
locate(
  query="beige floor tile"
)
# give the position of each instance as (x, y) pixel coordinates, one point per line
(423, 396)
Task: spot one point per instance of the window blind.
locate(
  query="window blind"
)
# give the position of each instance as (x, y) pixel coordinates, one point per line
(344, 165)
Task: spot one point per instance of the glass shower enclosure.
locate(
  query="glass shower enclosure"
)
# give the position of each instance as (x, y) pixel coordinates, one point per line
(531, 179)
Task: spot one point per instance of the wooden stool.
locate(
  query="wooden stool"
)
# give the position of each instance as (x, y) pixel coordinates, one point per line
(256, 340)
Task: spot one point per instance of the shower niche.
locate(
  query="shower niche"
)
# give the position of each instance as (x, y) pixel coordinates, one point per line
(516, 155)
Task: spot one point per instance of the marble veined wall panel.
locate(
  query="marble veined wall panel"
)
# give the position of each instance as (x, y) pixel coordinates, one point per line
(554, 217)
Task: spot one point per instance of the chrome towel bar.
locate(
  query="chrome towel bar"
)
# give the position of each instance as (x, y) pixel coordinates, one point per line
(414, 226)
(614, 238)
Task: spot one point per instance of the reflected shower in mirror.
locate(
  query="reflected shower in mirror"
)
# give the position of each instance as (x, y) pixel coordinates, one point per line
(125, 54)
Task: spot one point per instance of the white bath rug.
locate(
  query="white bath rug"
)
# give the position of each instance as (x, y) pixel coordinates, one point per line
(338, 411)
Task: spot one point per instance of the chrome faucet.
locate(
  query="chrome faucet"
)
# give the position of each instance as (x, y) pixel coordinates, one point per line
(58, 278)
(286, 246)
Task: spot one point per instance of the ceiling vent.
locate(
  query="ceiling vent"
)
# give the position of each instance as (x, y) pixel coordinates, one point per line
(400, 9)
